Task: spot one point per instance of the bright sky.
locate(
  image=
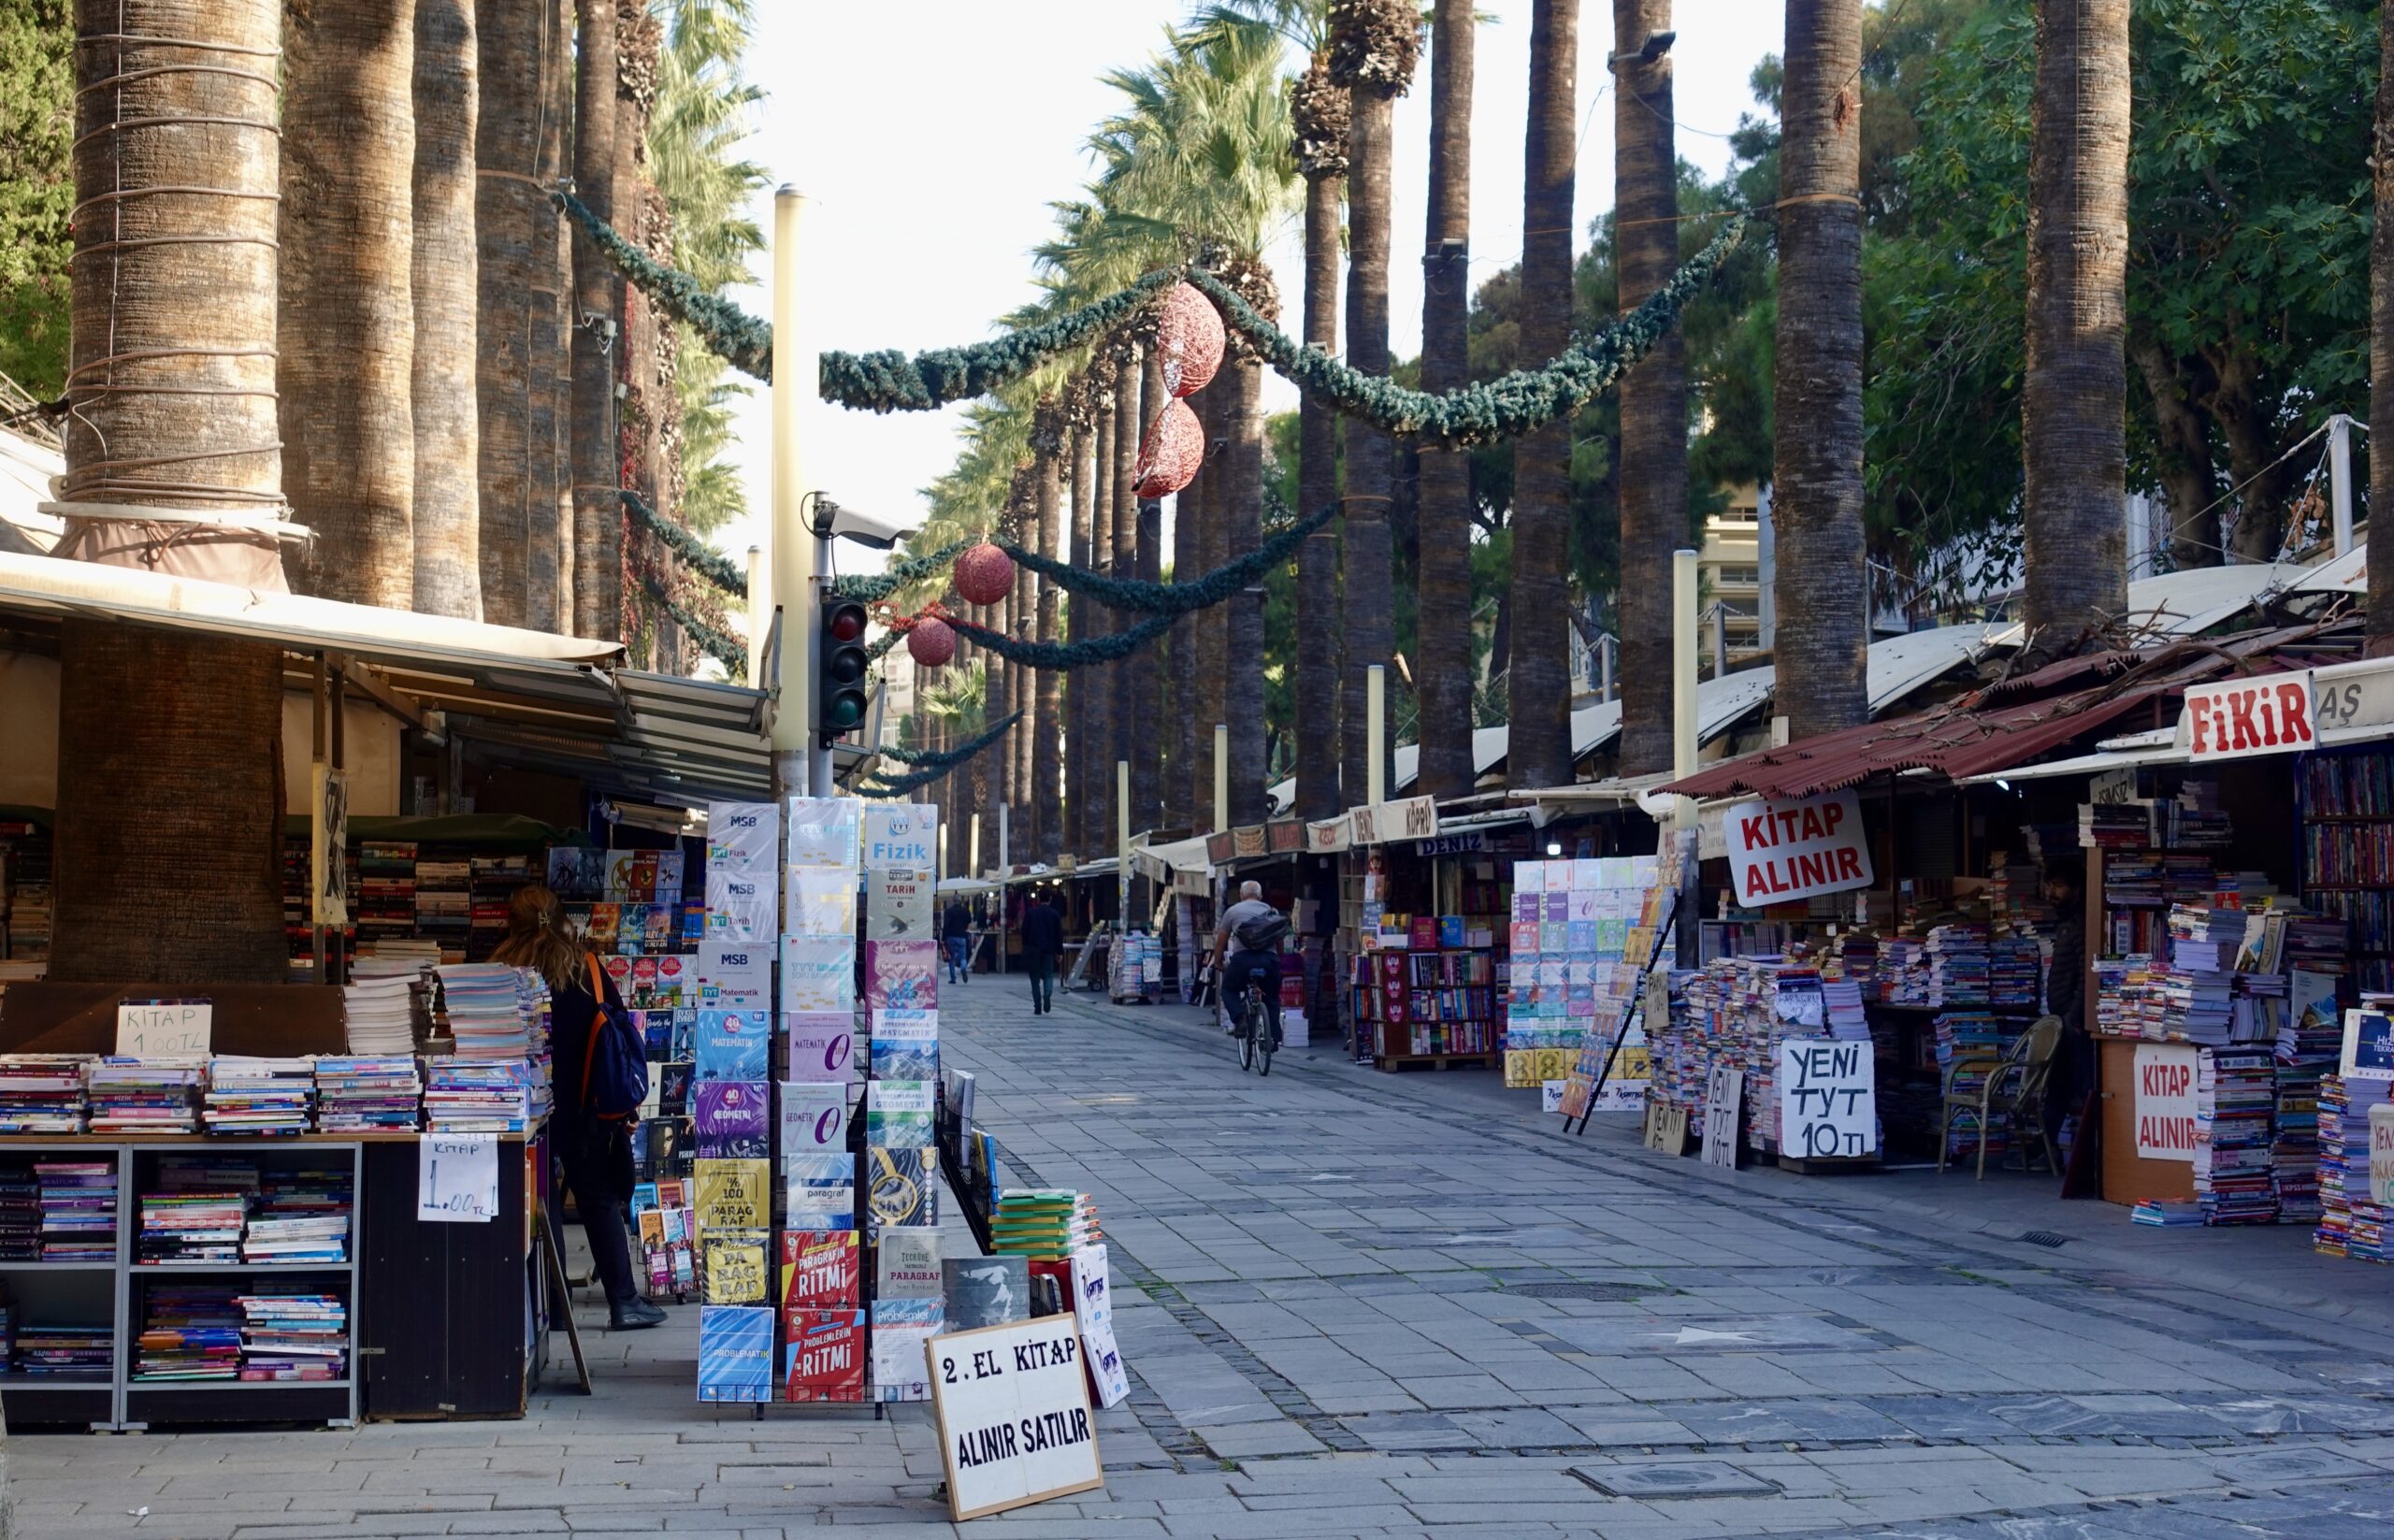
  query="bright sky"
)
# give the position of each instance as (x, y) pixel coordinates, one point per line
(930, 139)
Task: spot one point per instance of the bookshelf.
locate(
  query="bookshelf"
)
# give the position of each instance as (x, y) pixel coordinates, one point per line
(2347, 802)
(1433, 1006)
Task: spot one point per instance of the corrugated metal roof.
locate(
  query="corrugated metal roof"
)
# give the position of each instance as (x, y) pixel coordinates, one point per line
(2190, 602)
(2345, 575)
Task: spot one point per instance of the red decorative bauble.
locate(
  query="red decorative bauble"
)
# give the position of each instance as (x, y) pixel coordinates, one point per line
(931, 642)
(984, 574)
(1189, 340)
(1170, 452)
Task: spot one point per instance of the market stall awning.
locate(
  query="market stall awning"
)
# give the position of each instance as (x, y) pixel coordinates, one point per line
(1161, 863)
(2190, 602)
(2345, 575)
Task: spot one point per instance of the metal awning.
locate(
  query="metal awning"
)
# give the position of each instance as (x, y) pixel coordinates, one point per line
(2190, 602)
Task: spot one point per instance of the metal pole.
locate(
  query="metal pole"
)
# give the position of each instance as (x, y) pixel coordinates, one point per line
(1375, 734)
(1005, 870)
(1683, 662)
(973, 854)
(1605, 650)
(760, 613)
(1122, 846)
(793, 543)
(1221, 775)
(1720, 641)
(1766, 570)
(2340, 478)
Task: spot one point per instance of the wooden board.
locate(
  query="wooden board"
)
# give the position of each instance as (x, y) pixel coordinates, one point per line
(41, 1016)
(2127, 1177)
(441, 1317)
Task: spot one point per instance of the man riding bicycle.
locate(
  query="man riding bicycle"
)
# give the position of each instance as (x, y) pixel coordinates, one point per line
(1247, 941)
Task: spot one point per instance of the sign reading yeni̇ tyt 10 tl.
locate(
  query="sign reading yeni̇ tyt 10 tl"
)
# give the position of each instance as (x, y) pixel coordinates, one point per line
(1782, 852)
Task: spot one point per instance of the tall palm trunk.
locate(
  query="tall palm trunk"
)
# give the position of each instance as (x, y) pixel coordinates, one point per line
(346, 331)
(1098, 709)
(1146, 765)
(1024, 680)
(1212, 640)
(2381, 331)
(2074, 419)
(1442, 662)
(1821, 595)
(1653, 396)
(549, 518)
(637, 420)
(1539, 670)
(598, 510)
(1364, 560)
(1078, 762)
(1242, 629)
(1129, 738)
(506, 194)
(1046, 753)
(1318, 614)
(170, 748)
(448, 532)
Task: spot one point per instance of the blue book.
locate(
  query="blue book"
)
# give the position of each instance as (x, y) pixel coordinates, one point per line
(734, 1044)
(735, 1352)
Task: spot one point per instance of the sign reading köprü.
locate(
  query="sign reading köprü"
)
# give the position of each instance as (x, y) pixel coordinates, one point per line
(2236, 717)
(1012, 1403)
(2165, 1102)
(1828, 1098)
(1779, 852)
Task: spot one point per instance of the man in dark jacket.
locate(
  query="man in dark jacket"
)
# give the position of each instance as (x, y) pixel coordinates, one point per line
(955, 933)
(1043, 942)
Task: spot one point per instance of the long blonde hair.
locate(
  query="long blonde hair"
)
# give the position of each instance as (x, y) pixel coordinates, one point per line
(537, 939)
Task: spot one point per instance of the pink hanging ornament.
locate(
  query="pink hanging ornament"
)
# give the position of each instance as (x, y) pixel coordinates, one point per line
(984, 574)
(931, 642)
(1169, 455)
(1188, 340)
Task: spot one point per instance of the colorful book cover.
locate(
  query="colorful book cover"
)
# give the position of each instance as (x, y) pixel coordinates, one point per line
(731, 1119)
(741, 907)
(819, 1190)
(901, 1187)
(897, 904)
(821, 901)
(905, 1046)
(813, 1118)
(906, 1266)
(818, 975)
(734, 1044)
(1093, 1313)
(898, 1113)
(902, 975)
(822, 1046)
(900, 834)
(822, 830)
(743, 837)
(984, 1290)
(823, 1355)
(819, 1269)
(577, 873)
(733, 1194)
(735, 1353)
(736, 977)
(735, 1266)
(901, 1328)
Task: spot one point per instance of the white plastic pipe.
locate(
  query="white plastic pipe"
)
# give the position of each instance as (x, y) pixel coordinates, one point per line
(793, 544)
(1375, 734)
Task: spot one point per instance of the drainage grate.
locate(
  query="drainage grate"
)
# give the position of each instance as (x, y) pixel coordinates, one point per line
(1580, 1290)
(2046, 1237)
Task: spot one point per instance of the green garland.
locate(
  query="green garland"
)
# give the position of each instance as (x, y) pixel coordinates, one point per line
(929, 764)
(1176, 598)
(878, 648)
(695, 553)
(1512, 407)
(1066, 654)
(730, 333)
(869, 586)
(891, 381)
(722, 646)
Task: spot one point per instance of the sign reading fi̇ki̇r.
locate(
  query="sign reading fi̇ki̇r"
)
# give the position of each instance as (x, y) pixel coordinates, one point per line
(2271, 715)
(1780, 852)
(1012, 1403)
(1828, 1098)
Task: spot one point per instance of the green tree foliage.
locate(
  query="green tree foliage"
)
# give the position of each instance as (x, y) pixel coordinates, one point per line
(36, 191)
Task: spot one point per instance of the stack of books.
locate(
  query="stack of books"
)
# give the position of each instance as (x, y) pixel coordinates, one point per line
(2350, 1225)
(77, 1210)
(355, 1095)
(260, 1095)
(145, 1095)
(184, 1226)
(189, 1333)
(469, 1096)
(1044, 1224)
(385, 891)
(1961, 1035)
(292, 1336)
(2235, 1103)
(1957, 965)
(2111, 826)
(378, 1004)
(444, 903)
(20, 1214)
(2016, 973)
(302, 1216)
(485, 1011)
(42, 1093)
(54, 1351)
(1902, 970)
(2167, 1214)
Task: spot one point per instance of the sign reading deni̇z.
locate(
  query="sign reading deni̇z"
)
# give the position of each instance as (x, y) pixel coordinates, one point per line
(1779, 852)
(2271, 714)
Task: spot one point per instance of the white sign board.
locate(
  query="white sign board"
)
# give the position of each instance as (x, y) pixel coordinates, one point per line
(2238, 717)
(1722, 1094)
(1828, 1098)
(1780, 852)
(456, 1178)
(2165, 1102)
(2381, 1154)
(2369, 1045)
(1015, 1426)
(901, 834)
(1093, 1308)
(164, 1028)
(328, 847)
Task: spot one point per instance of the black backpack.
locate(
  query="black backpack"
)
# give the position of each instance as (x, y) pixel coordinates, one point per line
(1261, 932)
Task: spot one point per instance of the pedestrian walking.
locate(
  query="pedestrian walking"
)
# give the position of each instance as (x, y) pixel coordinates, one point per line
(1043, 942)
(955, 935)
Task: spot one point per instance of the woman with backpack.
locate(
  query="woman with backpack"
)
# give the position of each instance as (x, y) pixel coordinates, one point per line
(596, 1148)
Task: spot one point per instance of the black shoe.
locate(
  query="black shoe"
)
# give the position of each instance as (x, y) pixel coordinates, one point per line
(634, 1315)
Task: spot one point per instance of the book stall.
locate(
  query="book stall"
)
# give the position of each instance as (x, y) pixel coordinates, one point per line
(1582, 933)
(1421, 940)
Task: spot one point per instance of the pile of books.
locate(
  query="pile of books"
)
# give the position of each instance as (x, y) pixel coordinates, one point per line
(145, 1095)
(484, 1012)
(1957, 965)
(2235, 1104)
(2109, 826)
(2167, 1214)
(2016, 973)
(471, 1096)
(292, 1336)
(259, 1095)
(184, 1226)
(2350, 1225)
(379, 1003)
(1044, 1224)
(444, 902)
(1903, 971)
(77, 1210)
(353, 1095)
(20, 1214)
(189, 1333)
(302, 1216)
(42, 1093)
(385, 890)
(1961, 1035)
(54, 1351)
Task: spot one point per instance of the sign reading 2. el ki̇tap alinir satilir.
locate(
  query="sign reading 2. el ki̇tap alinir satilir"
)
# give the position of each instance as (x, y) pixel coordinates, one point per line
(1782, 852)
(1012, 1404)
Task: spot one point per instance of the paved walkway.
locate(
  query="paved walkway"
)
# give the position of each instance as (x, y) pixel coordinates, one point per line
(1361, 1304)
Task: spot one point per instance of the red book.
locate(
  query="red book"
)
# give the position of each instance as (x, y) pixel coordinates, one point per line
(823, 1355)
(820, 1269)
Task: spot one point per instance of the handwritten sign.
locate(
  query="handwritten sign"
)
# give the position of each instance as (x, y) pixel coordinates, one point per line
(2238, 717)
(1780, 852)
(456, 1178)
(327, 847)
(2381, 1154)
(1828, 1100)
(1722, 1095)
(1012, 1404)
(1665, 1129)
(164, 1028)
(2165, 1102)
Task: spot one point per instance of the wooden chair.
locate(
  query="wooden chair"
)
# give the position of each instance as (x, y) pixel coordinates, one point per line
(2014, 1089)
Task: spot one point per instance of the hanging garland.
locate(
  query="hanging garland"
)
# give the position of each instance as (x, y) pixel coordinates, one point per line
(1176, 598)
(730, 333)
(878, 648)
(892, 381)
(701, 557)
(1060, 654)
(1512, 407)
(865, 587)
(722, 646)
(929, 764)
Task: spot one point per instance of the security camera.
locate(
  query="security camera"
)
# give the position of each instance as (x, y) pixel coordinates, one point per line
(832, 522)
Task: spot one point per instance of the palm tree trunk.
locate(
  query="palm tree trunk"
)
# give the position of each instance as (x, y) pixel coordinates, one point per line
(2073, 420)
(1364, 558)
(1442, 663)
(1046, 753)
(1538, 672)
(1025, 681)
(170, 748)
(2182, 445)
(1187, 806)
(638, 444)
(345, 337)
(2381, 331)
(448, 532)
(1076, 629)
(1129, 737)
(1821, 595)
(508, 277)
(598, 512)
(551, 509)
(1243, 528)
(1212, 654)
(1317, 615)
(1146, 765)
(1097, 719)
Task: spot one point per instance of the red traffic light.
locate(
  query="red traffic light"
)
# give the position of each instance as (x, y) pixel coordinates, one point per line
(845, 622)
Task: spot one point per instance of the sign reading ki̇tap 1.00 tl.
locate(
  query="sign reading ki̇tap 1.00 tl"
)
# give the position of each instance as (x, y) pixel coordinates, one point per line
(1782, 852)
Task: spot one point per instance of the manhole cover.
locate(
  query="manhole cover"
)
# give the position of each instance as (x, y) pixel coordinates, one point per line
(1580, 1290)
(2046, 1237)
(1709, 1479)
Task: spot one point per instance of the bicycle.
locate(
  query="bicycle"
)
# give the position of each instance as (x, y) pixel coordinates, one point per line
(1258, 1040)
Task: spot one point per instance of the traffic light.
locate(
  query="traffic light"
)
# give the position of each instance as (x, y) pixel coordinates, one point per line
(840, 668)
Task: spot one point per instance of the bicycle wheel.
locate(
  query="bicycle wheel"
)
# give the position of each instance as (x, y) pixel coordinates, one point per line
(1247, 1044)
(1259, 1023)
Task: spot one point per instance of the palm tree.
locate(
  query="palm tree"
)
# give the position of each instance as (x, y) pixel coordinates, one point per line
(1653, 396)
(2073, 399)
(345, 337)
(1443, 560)
(1821, 594)
(1130, 737)
(1146, 692)
(447, 514)
(1538, 672)
(598, 513)
(1097, 711)
(1045, 791)
(1077, 761)
(1373, 47)
(170, 748)
(2381, 330)
(549, 488)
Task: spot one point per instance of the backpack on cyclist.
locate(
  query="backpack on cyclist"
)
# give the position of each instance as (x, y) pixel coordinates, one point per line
(1261, 932)
(614, 1076)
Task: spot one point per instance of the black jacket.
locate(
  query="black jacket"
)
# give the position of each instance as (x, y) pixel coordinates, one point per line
(571, 1012)
(956, 924)
(1043, 932)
